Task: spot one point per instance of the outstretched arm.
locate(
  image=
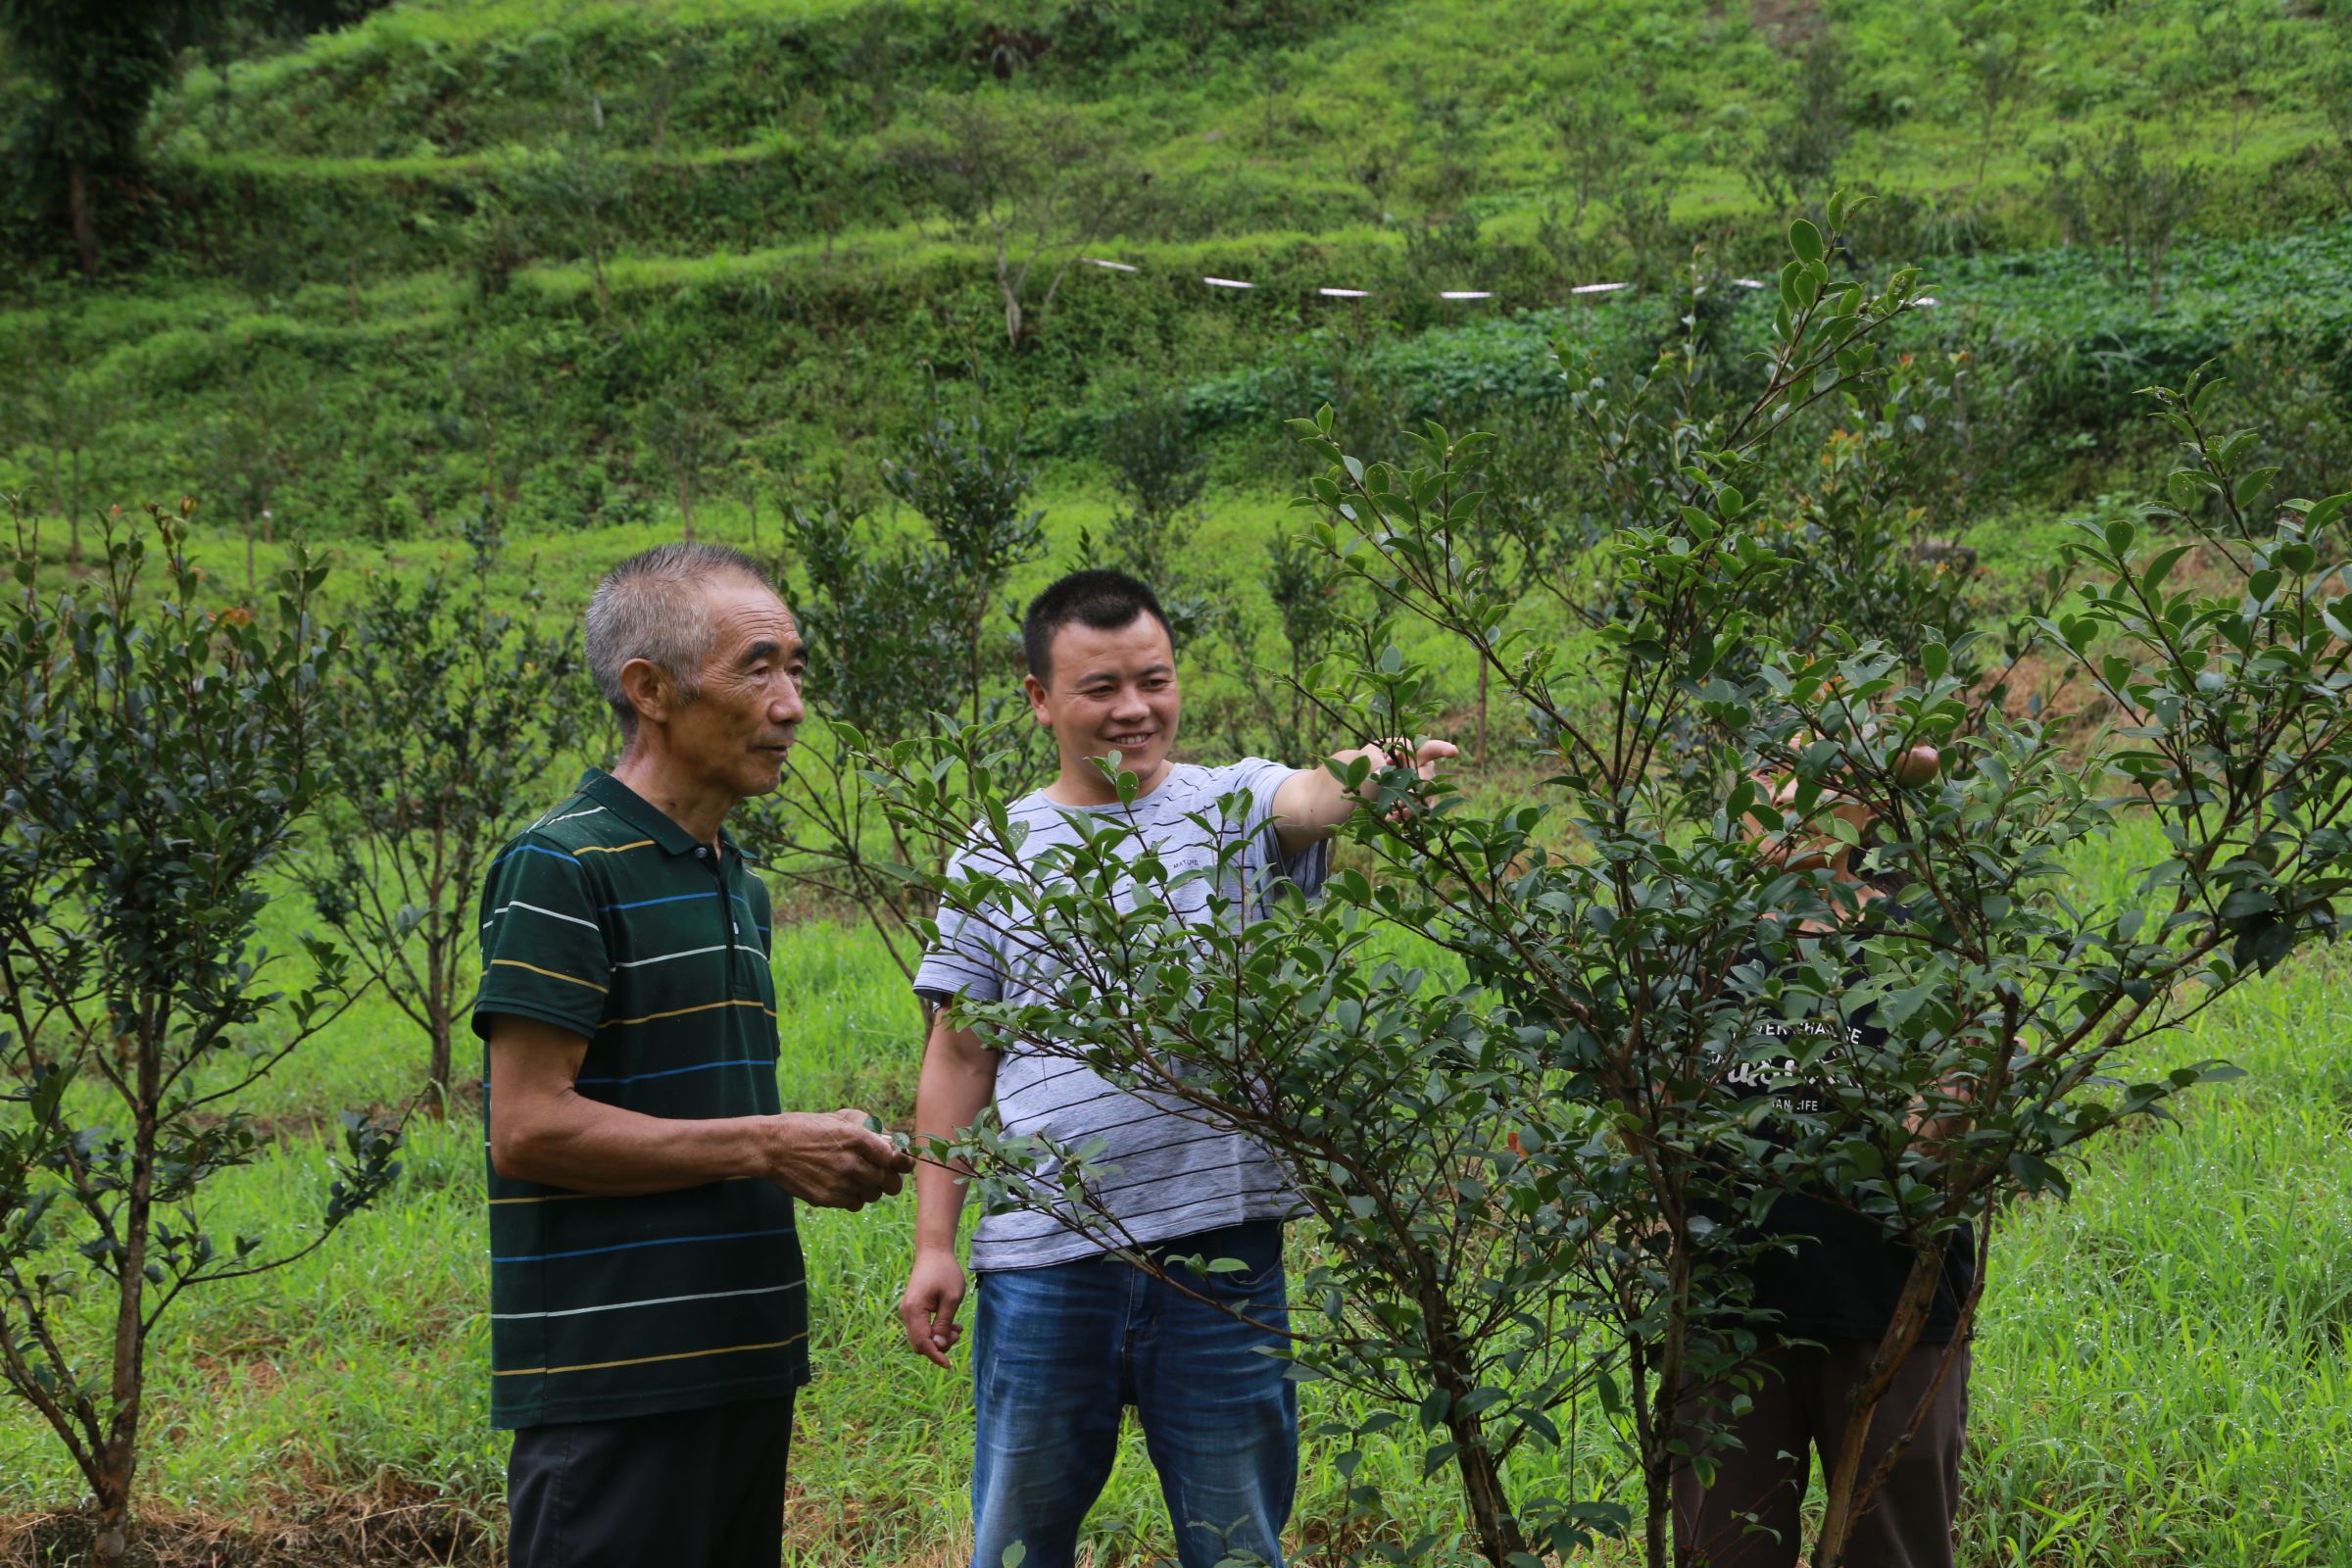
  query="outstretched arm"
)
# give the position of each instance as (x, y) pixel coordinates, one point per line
(1311, 805)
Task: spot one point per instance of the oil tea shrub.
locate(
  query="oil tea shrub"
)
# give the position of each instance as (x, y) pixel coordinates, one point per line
(165, 756)
(1501, 1058)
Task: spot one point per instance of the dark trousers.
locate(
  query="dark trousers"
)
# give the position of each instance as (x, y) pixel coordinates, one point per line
(1749, 1518)
(696, 1487)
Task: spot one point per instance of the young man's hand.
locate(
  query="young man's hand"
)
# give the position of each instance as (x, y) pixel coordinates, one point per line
(927, 1311)
(1423, 759)
(1311, 804)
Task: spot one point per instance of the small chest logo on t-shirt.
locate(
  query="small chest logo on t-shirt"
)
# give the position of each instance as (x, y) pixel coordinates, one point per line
(1779, 1074)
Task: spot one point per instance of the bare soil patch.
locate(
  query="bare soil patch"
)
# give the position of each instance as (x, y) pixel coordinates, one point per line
(393, 1523)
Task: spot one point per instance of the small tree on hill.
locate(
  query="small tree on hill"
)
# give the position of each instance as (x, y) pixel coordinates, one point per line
(2109, 192)
(974, 494)
(249, 450)
(1594, 145)
(60, 412)
(1995, 62)
(1034, 184)
(891, 622)
(96, 68)
(1791, 161)
(568, 194)
(688, 430)
(450, 716)
(1158, 473)
(165, 756)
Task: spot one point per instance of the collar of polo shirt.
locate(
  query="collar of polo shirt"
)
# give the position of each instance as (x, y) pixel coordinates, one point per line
(648, 818)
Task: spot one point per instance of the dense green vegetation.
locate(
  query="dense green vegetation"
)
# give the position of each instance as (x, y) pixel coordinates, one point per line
(590, 259)
(2160, 1378)
(589, 271)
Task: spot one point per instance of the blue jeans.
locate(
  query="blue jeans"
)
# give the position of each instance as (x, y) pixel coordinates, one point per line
(1058, 1351)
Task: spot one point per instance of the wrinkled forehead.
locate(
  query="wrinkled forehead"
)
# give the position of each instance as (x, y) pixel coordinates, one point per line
(745, 614)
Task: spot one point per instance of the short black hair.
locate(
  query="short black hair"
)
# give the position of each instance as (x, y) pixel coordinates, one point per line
(1103, 599)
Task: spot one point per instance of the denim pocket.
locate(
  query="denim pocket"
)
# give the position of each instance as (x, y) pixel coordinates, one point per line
(1256, 1246)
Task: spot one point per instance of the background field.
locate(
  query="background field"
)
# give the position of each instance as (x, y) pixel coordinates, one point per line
(576, 269)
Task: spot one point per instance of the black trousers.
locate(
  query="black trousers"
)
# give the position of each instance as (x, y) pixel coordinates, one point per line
(692, 1488)
(1749, 1518)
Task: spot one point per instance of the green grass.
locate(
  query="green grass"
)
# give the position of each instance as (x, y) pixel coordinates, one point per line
(2161, 1376)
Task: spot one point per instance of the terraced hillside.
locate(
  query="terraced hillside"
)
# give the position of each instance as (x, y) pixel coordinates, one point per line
(562, 253)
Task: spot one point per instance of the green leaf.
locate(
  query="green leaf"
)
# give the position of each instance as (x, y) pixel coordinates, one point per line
(1806, 240)
(2162, 568)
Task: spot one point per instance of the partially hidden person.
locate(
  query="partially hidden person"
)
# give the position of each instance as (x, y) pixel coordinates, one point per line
(649, 1315)
(1823, 1301)
(1065, 1335)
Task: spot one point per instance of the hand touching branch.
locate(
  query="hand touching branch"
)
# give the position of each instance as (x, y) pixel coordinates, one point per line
(1312, 803)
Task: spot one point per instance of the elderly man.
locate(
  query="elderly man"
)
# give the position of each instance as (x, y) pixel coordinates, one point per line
(649, 1316)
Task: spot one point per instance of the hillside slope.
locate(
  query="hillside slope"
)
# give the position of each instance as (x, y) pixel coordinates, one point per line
(528, 248)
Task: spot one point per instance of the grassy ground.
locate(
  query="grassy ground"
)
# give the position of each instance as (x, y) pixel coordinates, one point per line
(2161, 1377)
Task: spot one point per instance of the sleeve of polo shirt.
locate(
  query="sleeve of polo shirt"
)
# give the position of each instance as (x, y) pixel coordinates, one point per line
(1310, 868)
(969, 960)
(543, 950)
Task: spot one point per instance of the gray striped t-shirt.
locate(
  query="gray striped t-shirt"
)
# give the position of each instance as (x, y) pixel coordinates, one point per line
(1175, 1177)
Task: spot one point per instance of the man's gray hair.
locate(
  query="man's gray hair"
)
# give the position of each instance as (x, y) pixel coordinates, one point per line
(653, 606)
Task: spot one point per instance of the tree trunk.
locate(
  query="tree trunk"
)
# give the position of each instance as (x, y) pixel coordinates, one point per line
(1492, 1518)
(1650, 1438)
(1499, 1537)
(1901, 1337)
(437, 1072)
(78, 207)
(119, 1460)
(1660, 1406)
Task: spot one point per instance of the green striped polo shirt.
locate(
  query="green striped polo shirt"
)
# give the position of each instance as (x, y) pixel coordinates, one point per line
(606, 918)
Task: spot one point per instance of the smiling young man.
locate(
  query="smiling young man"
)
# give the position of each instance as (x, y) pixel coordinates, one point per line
(647, 1311)
(1065, 1336)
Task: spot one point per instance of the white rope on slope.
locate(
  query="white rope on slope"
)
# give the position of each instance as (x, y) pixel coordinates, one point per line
(1330, 292)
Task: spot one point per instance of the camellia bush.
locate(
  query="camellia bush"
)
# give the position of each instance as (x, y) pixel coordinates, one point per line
(450, 715)
(1507, 1057)
(163, 757)
(884, 618)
